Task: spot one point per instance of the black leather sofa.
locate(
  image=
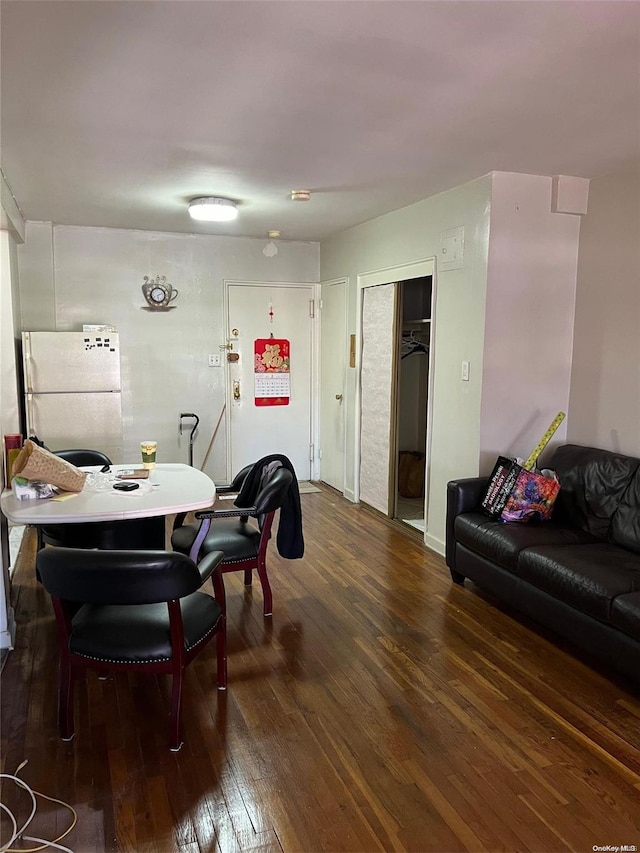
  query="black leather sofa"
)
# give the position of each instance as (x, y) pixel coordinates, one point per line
(577, 574)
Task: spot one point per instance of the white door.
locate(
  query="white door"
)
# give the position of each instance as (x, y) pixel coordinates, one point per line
(377, 372)
(333, 363)
(258, 312)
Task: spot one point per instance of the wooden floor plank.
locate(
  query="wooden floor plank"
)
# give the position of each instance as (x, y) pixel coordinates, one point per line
(381, 708)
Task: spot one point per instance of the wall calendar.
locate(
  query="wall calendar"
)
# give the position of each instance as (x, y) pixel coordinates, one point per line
(272, 372)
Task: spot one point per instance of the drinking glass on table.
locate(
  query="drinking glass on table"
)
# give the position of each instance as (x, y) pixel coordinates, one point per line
(148, 450)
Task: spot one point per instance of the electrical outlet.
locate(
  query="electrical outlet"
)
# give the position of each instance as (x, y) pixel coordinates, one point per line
(214, 359)
(464, 372)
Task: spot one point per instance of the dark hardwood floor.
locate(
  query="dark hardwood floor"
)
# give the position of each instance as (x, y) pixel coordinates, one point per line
(381, 709)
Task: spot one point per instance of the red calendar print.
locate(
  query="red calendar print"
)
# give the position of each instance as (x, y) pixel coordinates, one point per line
(272, 372)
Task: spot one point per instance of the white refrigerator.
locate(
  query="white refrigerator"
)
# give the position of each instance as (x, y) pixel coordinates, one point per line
(72, 390)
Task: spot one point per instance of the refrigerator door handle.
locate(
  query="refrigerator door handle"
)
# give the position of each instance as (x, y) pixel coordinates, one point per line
(27, 363)
(31, 427)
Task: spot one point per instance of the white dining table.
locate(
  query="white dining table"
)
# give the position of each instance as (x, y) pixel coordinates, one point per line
(170, 488)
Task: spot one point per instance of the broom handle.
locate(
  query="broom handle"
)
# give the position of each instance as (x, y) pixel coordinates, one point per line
(213, 437)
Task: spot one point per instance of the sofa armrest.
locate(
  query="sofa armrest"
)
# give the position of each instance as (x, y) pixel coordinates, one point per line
(462, 496)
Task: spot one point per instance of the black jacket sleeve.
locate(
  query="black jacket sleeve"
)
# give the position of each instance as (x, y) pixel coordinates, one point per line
(290, 539)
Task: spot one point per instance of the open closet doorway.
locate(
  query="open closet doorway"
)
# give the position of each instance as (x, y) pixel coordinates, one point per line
(413, 363)
(379, 336)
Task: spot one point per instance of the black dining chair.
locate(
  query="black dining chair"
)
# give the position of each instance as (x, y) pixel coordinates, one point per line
(87, 535)
(242, 532)
(83, 457)
(133, 610)
(233, 488)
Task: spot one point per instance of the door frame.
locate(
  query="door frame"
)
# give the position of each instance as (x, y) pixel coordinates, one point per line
(395, 405)
(345, 282)
(389, 275)
(314, 384)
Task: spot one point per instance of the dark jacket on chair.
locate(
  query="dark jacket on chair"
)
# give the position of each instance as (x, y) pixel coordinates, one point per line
(289, 540)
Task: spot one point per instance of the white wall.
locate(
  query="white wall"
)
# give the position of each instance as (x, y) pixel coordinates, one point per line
(529, 317)
(412, 234)
(604, 405)
(508, 311)
(37, 285)
(75, 275)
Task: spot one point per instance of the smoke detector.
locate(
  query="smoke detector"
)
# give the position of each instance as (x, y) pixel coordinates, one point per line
(300, 195)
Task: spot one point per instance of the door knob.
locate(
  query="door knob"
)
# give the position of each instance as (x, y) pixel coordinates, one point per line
(338, 396)
(236, 389)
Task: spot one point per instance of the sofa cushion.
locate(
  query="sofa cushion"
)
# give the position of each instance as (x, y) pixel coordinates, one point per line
(625, 527)
(503, 542)
(587, 577)
(592, 483)
(625, 614)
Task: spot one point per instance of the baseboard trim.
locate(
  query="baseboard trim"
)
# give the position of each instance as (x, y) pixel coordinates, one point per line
(436, 545)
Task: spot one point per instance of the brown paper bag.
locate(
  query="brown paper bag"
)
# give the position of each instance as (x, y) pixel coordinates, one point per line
(36, 463)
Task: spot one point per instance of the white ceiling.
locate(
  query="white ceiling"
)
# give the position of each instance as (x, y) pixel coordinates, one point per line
(117, 113)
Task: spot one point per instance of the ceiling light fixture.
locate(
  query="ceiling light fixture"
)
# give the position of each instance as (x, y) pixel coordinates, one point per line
(300, 195)
(213, 209)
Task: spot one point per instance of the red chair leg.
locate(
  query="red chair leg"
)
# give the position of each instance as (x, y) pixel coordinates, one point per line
(221, 653)
(175, 741)
(266, 588)
(219, 592)
(65, 699)
(248, 577)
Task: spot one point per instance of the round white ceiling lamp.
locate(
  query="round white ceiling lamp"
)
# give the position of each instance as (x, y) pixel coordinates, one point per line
(213, 209)
(300, 195)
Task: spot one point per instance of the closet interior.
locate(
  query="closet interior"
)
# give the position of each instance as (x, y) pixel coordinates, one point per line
(412, 388)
